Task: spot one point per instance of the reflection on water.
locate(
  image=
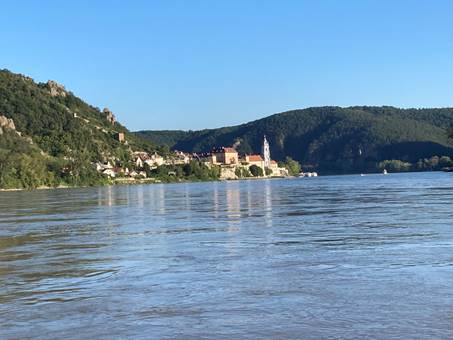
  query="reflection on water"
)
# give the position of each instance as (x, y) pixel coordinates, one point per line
(325, 257)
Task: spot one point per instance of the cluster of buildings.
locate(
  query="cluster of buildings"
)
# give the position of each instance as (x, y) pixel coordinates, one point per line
(136, 169)
(227, 158)
(229, 161)
(111, 171)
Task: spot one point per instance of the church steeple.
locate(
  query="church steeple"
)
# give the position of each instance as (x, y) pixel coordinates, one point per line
(266, 153)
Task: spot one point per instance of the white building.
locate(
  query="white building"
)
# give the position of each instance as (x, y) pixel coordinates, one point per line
(109, 172)
(155, 160)
(266, 153)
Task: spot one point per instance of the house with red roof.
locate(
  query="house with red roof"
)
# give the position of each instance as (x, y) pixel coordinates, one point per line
(254, 160)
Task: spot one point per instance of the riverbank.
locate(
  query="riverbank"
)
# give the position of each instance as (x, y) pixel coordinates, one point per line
(40, 188)
(129, 181)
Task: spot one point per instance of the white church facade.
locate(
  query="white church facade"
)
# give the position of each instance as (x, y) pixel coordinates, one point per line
(264, 161)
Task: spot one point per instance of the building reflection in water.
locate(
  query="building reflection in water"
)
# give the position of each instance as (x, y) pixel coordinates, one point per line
(233, 205)
(105, 196)
(215, 200)
(158, 198)
(187, 198)
(139, 196)
(249, 199)
(268, 203)
(231, 202)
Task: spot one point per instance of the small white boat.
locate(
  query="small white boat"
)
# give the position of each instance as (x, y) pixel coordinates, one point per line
(308, 174)
(384, 172)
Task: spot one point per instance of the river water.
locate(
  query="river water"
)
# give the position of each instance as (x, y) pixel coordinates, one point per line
(326, 257)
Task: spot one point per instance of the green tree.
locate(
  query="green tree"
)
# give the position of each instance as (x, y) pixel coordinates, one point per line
(445, 161)
(242, 172)
(256, 171)
(395, 165)
(292, 166)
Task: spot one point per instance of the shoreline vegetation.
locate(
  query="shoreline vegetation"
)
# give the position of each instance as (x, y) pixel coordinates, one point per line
(126, 182)
(150, 181)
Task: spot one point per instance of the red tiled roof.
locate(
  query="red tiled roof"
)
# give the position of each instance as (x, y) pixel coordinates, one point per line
(229, 150)
(255, 158)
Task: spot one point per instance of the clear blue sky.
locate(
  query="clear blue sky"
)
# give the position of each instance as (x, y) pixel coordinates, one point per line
(197, 64)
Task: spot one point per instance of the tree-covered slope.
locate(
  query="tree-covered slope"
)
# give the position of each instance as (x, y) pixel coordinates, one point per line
(58, 131)
(164, 137)
(331, 139)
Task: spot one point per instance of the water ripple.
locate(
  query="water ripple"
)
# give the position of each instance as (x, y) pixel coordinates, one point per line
(328, 257)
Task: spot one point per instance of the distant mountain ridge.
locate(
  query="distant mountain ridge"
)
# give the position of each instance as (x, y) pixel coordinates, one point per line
(330, 139)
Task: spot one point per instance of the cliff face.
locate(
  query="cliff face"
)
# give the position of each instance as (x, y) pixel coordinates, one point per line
(6, 123)
(56, 89)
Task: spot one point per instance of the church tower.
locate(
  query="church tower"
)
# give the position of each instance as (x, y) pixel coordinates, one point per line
(266, 153)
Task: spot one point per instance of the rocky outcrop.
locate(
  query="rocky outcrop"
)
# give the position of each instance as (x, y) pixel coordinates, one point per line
(109, 116)
(56, 89)
(6, 123)
(26, 78)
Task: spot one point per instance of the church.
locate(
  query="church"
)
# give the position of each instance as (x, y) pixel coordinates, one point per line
(264, 160)
(228, 159)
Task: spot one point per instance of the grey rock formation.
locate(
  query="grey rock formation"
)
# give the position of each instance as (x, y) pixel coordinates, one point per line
(56, 89)
(109, 116)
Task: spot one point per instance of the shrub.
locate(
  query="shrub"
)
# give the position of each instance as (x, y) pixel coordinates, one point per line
(256, 171)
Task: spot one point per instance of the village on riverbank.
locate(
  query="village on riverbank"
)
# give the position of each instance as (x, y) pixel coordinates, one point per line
(226, 161)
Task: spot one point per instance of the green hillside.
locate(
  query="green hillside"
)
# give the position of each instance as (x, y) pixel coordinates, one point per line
(331, 139)
(164, 137)
(57, 137)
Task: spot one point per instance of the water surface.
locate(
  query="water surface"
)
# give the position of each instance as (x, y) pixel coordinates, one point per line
(326, 257)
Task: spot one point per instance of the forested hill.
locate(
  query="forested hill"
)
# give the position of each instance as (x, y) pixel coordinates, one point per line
(48, 136)
(331, 139)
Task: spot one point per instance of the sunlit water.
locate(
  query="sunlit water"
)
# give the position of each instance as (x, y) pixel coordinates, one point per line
(337, 257)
